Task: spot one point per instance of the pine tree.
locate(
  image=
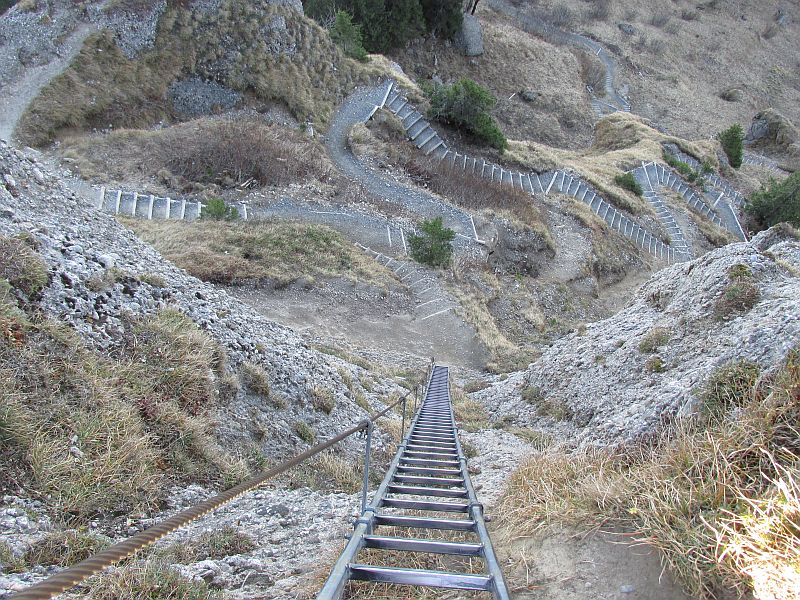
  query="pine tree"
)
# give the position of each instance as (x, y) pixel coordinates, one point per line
(347, 36)
(443, 17)
(405, 21)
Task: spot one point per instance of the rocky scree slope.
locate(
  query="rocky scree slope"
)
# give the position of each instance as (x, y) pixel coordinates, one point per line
(79, 243)
(620, 379)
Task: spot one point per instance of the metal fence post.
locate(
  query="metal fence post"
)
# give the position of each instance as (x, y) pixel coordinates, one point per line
(366, 468)
(403, 428)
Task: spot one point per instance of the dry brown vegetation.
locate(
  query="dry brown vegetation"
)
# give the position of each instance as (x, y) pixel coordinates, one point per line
(97, 434)
(279, 252)
(300, 67)
(718, 494)
(205, 151)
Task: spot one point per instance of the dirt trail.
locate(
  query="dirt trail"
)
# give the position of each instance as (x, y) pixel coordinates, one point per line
(15, 98)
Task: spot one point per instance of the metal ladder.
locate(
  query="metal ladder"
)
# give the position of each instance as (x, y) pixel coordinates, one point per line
(428, 473)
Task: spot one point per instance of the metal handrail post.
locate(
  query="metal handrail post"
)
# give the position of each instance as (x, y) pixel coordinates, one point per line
(367, 448)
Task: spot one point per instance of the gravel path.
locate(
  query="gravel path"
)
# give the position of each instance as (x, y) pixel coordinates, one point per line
(357, 108)
(15, 98)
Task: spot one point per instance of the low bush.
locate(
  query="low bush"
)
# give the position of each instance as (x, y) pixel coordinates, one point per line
(255, 379)
(532, 394)
(322, 399)
(214, 545)
(465, 105)
(777, 203)
(738, 297)
(434, 246)
(470, 414)
(655, 364)
(304, 432)
(656, 338)
(217, 210)
(732, 140)
(628, 182)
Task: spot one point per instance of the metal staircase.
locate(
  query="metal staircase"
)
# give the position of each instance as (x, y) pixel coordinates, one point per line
(429, 475)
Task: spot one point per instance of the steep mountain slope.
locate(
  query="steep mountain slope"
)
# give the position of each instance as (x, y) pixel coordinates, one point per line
(621, 379)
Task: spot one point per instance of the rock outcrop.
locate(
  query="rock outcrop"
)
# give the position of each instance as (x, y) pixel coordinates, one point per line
(620, 379)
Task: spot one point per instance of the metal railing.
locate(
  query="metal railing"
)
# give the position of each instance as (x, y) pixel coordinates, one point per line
(428, 473)
(70, 577)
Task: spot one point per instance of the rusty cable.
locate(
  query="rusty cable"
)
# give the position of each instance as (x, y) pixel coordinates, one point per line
(70, 577)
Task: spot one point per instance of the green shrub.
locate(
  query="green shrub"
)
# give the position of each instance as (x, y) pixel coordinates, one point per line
(729, 386)
(740, 296)
(443, 17)
(434, 246)
(628, 182)
(778, 203)
(654, 364)
(731, 140)
(654, 340)
(304, 432)
(465, 105)
(217, 210)
(532, 394)
(347, 36)
(739, 271)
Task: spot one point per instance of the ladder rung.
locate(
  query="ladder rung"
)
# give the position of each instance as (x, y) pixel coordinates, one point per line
(432, 438)
(437, 449)
(418, 454)
(423, 462)
(431, 443)
(429, 480)
(425, 505)
(425, 522)
(418, 545)
(427, 491)
(420, 577)
(427, 471)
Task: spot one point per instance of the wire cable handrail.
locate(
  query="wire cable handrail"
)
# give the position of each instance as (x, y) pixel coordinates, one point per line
(72, 576)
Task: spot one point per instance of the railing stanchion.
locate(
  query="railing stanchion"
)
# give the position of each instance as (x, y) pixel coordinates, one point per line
(366, 468)
(403, 428)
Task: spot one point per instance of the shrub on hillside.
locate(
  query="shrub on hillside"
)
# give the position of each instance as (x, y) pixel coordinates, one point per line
(466, 105)
(434, 246)
(778, 203)
(628, 181)
(731, 140)
(21, 266)
(217, 210)
(347, 36)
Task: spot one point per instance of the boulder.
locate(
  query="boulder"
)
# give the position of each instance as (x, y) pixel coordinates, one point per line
(470, 38)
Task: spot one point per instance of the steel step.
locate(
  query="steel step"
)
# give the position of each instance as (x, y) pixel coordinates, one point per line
(418, 545)
(412, 490)
(425, 522)
(425, 505)
(427, 471)
(429, 480)
(419, 577)
(428, 462)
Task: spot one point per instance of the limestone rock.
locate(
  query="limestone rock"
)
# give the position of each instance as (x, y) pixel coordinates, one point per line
(470, 38)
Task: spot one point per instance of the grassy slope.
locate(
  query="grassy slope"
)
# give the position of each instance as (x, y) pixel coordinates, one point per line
(239, 252)
(301, 68)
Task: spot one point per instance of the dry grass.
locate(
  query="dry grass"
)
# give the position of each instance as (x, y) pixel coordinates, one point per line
(278, 251)
(65, 548)
(204, 152)
(148, 579)
(21, 266)
(301, 68)
(216, 544)
(470, 414)
(654, 339)
(255, 379)
(622, 140)
(328, 471)
(717, 494)
(98, 434)
(322, 399)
